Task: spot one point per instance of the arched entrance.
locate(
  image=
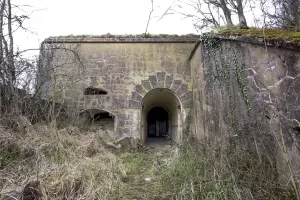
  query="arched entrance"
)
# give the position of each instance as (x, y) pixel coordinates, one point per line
(157, 123)
(161, 115)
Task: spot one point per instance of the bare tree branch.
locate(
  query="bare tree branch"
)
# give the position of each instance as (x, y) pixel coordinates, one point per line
(149, 18)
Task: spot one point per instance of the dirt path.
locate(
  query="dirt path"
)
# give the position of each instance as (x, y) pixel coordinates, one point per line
(144, 171)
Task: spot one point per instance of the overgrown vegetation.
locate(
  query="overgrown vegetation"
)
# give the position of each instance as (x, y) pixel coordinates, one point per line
(68, 164)
(268, 34)
(216, 172)
(286, 14)
(71, 164)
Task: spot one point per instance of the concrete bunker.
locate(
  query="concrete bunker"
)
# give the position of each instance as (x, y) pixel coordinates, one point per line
(161, 116)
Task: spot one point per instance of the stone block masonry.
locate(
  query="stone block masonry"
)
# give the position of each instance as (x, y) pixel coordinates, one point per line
(127, 68)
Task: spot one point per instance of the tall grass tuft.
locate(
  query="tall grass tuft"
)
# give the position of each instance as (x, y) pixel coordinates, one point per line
(67, 164)
(205, 171)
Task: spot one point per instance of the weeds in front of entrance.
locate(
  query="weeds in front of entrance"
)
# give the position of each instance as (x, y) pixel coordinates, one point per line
(203, 171)
(136, 163)
(143, 173)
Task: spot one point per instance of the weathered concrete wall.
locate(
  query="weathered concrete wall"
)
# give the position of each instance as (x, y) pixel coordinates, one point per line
(126, 70)
(249, 93)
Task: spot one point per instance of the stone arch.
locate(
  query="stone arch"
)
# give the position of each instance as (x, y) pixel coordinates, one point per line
(161, 80)
(174, 89)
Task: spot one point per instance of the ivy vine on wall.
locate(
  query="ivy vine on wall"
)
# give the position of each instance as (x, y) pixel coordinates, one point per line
(222, 62)
(223, 69)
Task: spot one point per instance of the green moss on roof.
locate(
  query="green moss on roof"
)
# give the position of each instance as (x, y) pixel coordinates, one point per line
(268, 34)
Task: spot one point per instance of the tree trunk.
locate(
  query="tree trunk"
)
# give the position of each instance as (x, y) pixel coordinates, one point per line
(291, 15)
(2, 79)
(226, 12)
(10, 65)
(240, 11)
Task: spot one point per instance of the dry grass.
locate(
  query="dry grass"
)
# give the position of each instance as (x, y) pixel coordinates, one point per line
(148, 164)
(75, 164)
(68, 163)
(204, 171)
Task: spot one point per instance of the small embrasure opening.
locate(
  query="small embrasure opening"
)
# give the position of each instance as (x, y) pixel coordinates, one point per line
(98, 119)
(94, 91)
(104, 120)
(103, 115)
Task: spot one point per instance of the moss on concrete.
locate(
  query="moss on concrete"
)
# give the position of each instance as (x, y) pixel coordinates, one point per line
(269, 34)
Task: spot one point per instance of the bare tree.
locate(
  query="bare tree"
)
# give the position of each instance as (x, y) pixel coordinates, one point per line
(286, 14)
(238, 7)
(223, 4)
(149, 18)
(205, 15)
(213, 13)
(7, 69)
(12, 64)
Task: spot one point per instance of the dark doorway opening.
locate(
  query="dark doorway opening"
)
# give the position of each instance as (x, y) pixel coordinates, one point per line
(157, 123)
(94, 91)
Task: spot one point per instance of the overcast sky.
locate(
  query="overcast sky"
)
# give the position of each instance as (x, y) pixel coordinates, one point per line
(94, 17)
